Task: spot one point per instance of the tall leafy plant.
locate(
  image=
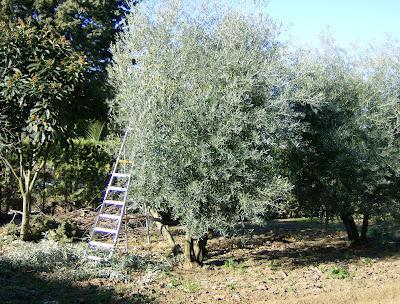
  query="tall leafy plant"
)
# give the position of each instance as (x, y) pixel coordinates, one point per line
(39, 72)
(90, 27)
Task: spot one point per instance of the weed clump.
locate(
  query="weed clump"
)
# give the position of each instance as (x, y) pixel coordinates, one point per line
(9, 233)
(44, 227)
(339, 272)
(232, 264)
(190, 286)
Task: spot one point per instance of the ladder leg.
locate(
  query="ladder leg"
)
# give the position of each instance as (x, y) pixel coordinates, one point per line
(126, 231)
(147, 225)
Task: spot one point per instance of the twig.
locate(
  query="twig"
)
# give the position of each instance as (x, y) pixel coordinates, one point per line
(15, 214)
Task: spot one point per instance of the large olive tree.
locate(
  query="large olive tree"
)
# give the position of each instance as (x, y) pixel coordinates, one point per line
(202, 94)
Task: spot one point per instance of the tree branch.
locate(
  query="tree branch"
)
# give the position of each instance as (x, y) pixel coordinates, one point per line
(38, 168)
(7, 163)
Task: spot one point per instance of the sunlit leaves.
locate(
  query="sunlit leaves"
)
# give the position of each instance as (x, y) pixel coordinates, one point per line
(206, 128)
(39, 73)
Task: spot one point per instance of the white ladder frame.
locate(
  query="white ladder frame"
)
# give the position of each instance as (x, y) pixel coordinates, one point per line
(122, 204)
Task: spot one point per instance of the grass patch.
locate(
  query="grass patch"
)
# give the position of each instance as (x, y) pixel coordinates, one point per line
(190, 286)
(368, 261)
(232, 264)
(175, 282)
(338, 272)
(347, 256)
(275, 265)
(231, 286)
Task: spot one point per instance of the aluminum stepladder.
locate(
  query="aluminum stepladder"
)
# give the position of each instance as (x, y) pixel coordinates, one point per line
(107, 227)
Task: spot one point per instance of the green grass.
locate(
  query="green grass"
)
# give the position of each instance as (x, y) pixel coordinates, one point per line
(367, 261)
(275, 265)
(190, 286)
(347, 256)
(231, 286)
(234, 265)
(175, 282)
(338, 272)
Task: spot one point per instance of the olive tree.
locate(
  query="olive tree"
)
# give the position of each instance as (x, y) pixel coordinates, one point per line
(348, 161)
(202, 92)
(378, 144)
(38, 71)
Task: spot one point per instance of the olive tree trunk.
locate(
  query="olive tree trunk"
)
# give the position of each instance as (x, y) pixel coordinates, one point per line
(364, 228)
(164, 230)
(351, 227)
(195, 250)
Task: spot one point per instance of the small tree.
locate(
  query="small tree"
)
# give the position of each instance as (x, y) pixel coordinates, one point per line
(202, 93)
(38, 75)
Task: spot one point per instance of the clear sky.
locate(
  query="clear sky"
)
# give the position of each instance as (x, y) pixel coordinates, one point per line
(350, 21)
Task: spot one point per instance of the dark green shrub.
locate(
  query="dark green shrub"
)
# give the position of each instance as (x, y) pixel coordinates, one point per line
(81, 171)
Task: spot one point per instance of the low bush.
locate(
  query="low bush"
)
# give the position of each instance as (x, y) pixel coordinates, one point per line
(43, 226)
(9, 232)
(68, 261)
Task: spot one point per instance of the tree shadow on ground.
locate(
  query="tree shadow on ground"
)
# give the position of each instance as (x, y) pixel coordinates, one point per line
(20, 285)
(295, 244)
(315, 255)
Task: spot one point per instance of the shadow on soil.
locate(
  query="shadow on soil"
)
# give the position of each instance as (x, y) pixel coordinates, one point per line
(291, 244)
(24, 286)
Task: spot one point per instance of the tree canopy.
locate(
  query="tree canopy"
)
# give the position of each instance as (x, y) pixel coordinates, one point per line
(39, 72)
(348, 161)
(202, 96)
(90, 27)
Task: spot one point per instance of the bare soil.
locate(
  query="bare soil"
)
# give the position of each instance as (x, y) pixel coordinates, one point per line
(288, 262)
(283, 261)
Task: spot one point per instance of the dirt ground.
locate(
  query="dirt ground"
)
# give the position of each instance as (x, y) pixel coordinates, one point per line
(293, 261)
(285, 261)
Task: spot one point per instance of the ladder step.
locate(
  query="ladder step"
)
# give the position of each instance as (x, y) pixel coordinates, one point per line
(125, 161)
(123, 175)
(105, 230)
(101, 244)
(109, 216)
(118, 189)
(116, 203)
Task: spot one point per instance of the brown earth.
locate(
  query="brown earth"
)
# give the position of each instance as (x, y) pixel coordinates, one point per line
(286, 261)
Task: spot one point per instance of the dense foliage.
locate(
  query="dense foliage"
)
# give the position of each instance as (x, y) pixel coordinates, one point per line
(204, 105)
(80, 172)
(39, 75)
(348, 161)
(90, 27)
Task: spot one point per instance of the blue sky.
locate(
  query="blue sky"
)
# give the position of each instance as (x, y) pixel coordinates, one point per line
(350, 21)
